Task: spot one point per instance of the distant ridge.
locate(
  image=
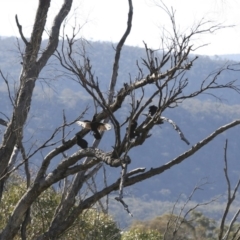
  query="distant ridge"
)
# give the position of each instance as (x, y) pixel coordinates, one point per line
(230, 57)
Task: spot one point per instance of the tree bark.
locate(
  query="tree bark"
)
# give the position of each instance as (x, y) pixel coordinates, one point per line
(32, 65)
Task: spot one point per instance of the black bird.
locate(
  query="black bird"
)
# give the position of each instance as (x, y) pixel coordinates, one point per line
(81, 142)
(97, 134)
(95, 126)
(133, 126)
(152, 110)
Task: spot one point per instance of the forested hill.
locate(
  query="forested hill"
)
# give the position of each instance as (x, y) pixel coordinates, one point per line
(197, 118)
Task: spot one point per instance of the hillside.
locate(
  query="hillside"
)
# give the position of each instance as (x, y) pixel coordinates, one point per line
(197, 118)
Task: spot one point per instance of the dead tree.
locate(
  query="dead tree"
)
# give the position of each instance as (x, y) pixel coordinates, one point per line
(224, 231)
(32, 63)
(165, 73)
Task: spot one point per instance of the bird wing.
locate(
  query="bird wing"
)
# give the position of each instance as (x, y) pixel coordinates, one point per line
(104, 127)
(107, 126)
(81, 142)
(83, 124)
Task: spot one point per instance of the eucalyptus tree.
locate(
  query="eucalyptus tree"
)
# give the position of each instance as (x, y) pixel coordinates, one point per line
(165, 74)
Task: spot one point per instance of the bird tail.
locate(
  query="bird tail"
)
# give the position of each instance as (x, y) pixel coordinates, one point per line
(97, 135)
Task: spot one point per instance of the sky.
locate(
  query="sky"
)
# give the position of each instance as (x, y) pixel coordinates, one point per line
(105, 20)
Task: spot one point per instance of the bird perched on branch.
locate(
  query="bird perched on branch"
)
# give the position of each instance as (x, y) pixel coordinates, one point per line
(95, 126)
(133, 126)
(152, 110)
(81, 142)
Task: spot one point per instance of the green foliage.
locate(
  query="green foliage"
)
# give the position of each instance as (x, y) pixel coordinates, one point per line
(169, 227)
(205, 228)
(11, 195)
(42, 212)
(91, 224)
(141, 234)
(234, 233)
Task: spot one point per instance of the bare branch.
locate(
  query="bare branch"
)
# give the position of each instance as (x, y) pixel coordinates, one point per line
(124, 205)
(20, 30)
(54, 34)
(118, 52)
(3, 122)
(13, 157)
(154, 171)
(233, 220)
(135, 171)
(9, 92)
(231, 197)
(176, 128)
(177, 221)
(121, 186)
(182, 157)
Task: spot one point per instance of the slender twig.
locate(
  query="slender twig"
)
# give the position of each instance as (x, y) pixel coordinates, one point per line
(8, 88)
(118, 52)
(175, 126)
(231, 198)
(3, 122)
(20, 30)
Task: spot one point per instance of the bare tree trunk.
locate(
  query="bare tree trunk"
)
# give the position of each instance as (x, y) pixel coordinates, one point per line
(32, 65)
(30, 71)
